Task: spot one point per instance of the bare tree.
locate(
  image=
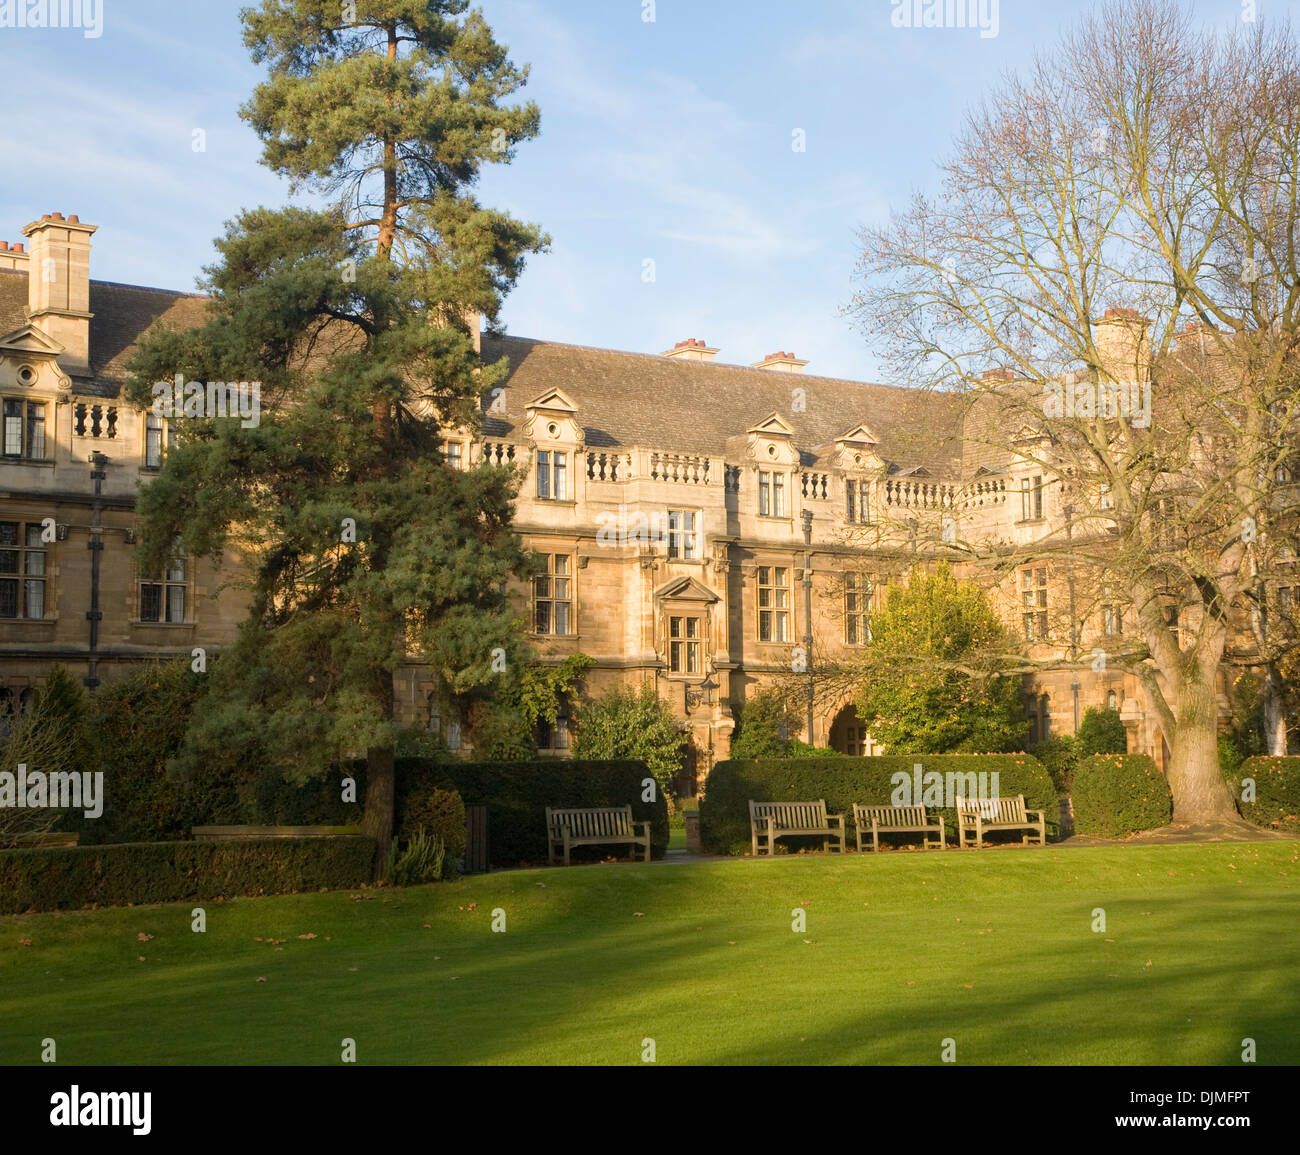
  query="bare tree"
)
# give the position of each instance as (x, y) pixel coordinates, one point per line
(1111, 278)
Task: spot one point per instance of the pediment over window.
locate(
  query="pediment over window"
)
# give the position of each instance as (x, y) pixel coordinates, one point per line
(770, 442)
(686, 589)
(856, 451)
(552, 419)
(772, 426)
(30, 340)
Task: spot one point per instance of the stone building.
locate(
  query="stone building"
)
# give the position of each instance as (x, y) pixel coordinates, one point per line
(676, 503)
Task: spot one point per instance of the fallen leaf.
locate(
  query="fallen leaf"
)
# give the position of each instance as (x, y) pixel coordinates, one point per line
(306, 936)
(352, 968)
(142, 937)
(24, 942)
(641, 914)
(260, 980)
(141, 957)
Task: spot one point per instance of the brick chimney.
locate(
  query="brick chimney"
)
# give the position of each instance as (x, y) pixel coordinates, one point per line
(781, 363)
(691, 350)
(58, 285)
(1124, 345)
(13, 256)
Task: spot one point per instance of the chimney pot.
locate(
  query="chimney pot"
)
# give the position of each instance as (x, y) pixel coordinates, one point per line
(74, 219)
(4, 246)
(56, 216)
(18, 247)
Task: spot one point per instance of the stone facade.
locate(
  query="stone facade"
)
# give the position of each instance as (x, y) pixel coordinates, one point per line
(676, 500)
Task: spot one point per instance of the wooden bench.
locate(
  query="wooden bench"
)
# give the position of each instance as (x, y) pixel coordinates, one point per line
(897, 820)
(593, 826)
(975, 817)
(769, 821)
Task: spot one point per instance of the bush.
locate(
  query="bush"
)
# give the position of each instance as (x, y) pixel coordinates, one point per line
(138, 721)
(1101, 732)
(631, 724)
(133, 873)
(1277, 790)
(441, 812)
(724, 811)
(1060, 756)
(272, 800)
(1116, 795)
(517, 794)
(421, 860)
(763, 726)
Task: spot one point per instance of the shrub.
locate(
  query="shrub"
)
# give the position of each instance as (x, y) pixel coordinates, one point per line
(632, 724)
(724, 811)
(516, 795)
(272, 800)
(763, 726)
(442, 812)
(1116, 795)
(419, 862)
(1277, 790)
(1060, 756)
(133, 873)
(138, 721)
(1101, 732)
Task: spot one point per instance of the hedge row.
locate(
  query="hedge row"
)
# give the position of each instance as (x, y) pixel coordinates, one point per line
(1115, 795)
(1277, 789)
(516, 795)
(143, 872)
(724, 811)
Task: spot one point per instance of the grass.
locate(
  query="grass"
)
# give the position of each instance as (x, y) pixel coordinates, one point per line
(994, 950)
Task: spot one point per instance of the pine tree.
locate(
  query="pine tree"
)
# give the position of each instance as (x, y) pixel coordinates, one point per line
(359, 322)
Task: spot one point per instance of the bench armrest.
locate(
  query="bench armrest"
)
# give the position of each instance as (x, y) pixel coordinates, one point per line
(1040, 813)
(644, 822)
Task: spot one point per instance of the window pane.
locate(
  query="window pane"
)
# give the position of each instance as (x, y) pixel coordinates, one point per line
(692, 627)
(542, 586)
(8, 561)
(34, 563)
(543, 474)
(562, 587)
(780, 576)
(765, 626)
(675, 657)
(561, 563)
(674, 627)
(778, 495)
(8, 533)
(175, 603)
(35, 430)
(34, 537)
(176, 570)
(560, 490)
(851, 635)
(692, 657)
(543, 617)
(764, 575)
(8, 598)
(150, 602)
(561, 617)
(35, 600)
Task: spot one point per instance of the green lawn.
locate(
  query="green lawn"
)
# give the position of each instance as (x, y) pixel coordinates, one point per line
(992, 949)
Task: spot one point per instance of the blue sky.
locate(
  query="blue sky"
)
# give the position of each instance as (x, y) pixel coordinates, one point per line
(668, 141)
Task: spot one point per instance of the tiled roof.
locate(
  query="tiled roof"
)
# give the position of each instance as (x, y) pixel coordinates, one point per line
(122, 315)
(626, 399)
(623, 399)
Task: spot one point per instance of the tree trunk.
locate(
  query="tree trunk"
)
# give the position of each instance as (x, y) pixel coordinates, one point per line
(381, 786)
(1201, 796)
(1274, 713)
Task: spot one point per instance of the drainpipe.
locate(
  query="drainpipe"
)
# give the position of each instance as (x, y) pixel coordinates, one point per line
(96, 547)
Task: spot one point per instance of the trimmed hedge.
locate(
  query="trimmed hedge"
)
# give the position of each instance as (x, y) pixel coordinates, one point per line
(1277, 790)
(1115, 795)
(517, 794)
(724, 810)
(131, 873)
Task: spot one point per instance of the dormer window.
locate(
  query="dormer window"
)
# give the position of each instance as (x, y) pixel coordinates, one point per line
(552, 475)
(771, 494)
(857, 502)
(1031, 499)
(24, 429)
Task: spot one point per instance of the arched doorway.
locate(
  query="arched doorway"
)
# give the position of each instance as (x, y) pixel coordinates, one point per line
(848, 734)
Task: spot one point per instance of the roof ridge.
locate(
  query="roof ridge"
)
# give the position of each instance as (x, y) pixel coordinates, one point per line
(659, 358)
